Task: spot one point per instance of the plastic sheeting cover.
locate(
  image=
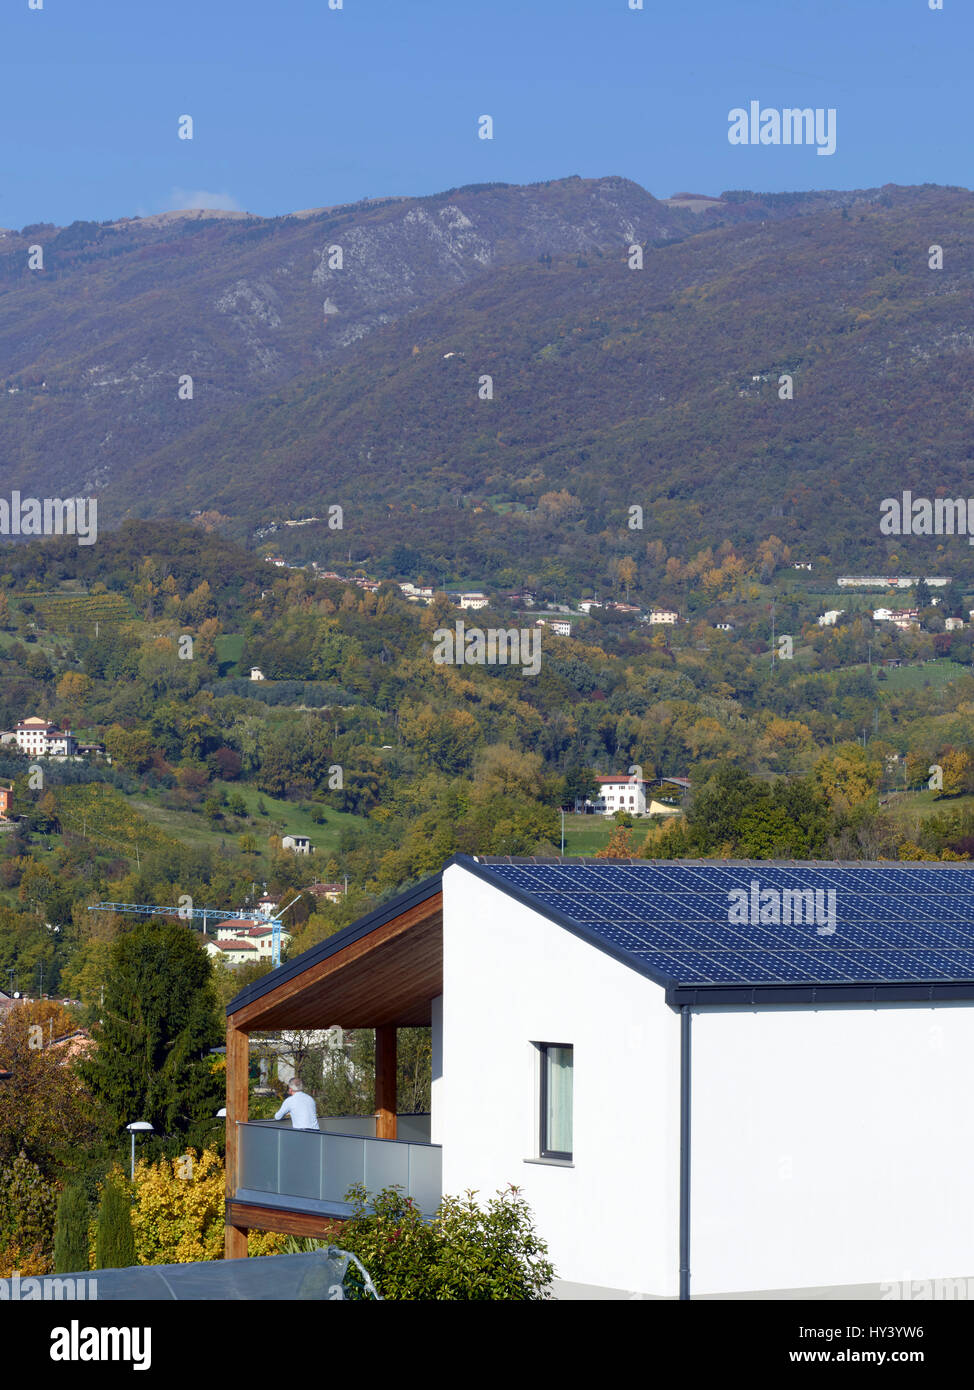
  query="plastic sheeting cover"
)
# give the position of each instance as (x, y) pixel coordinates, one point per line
(327, 1274)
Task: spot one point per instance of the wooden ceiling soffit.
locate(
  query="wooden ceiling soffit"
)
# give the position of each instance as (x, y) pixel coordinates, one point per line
(387, 976)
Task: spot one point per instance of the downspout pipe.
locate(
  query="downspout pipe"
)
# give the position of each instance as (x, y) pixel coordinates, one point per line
(685, 1152)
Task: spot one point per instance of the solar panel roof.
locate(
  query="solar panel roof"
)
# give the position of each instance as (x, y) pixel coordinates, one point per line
(724, 932)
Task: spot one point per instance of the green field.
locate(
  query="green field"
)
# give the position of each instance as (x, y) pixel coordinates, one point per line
(907, 808)
(287, 818)
(283, 818)
(900, 679)
(229, 649)
(586, 835)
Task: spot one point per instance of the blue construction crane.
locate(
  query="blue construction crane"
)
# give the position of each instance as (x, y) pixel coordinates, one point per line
(212, 914)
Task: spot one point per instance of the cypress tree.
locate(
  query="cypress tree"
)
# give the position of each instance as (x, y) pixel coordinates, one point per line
(114, 1241)
(71, 1231)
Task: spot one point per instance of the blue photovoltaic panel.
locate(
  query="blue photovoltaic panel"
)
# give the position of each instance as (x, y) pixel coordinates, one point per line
(765, 924)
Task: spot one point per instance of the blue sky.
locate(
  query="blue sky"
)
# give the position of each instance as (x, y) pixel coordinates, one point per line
(297, 105)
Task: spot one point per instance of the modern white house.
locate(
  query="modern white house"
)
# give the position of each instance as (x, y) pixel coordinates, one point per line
(617, 792)
(707, 1078)
(829, 617)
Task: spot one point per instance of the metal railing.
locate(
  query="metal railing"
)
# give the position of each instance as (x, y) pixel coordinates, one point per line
(315, 1169)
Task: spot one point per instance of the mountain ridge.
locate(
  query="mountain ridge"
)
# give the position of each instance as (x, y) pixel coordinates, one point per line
(315, 386)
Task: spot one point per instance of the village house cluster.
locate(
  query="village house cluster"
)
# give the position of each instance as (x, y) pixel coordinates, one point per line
(250, 936)
(473, 599)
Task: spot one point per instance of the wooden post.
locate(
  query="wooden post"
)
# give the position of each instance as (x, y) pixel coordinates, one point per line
(385, 1082)
(238, 1089)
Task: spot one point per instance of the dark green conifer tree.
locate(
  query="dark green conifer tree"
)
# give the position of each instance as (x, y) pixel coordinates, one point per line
(153, 1060)
(114, 1241)
(71, 1231)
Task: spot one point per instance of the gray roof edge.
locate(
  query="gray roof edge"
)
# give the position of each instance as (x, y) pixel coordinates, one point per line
(573, 861)
(835, 992)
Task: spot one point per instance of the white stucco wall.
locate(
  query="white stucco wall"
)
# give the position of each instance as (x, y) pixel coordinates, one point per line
(832, 1146)
(511, 979)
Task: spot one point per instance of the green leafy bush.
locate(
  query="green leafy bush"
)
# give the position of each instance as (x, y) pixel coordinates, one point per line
(466, 1253)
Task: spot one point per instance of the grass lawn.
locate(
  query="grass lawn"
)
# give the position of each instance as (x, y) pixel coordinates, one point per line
(585, 835)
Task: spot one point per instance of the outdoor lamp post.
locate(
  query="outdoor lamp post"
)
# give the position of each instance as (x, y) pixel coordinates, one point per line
(142, 1126)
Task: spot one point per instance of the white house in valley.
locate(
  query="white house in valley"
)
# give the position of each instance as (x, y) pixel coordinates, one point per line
(617, 792)
(39, 738)
(785, 1112)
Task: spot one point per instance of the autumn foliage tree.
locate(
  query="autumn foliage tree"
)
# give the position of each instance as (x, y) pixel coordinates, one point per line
(178, 1211)
(619, 846)
(27, 1206)
(45, 1109)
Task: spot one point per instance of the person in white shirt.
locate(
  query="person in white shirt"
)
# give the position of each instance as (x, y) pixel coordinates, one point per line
(300, 1106)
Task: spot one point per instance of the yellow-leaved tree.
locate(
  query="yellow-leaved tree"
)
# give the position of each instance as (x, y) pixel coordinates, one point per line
(177, 1214)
